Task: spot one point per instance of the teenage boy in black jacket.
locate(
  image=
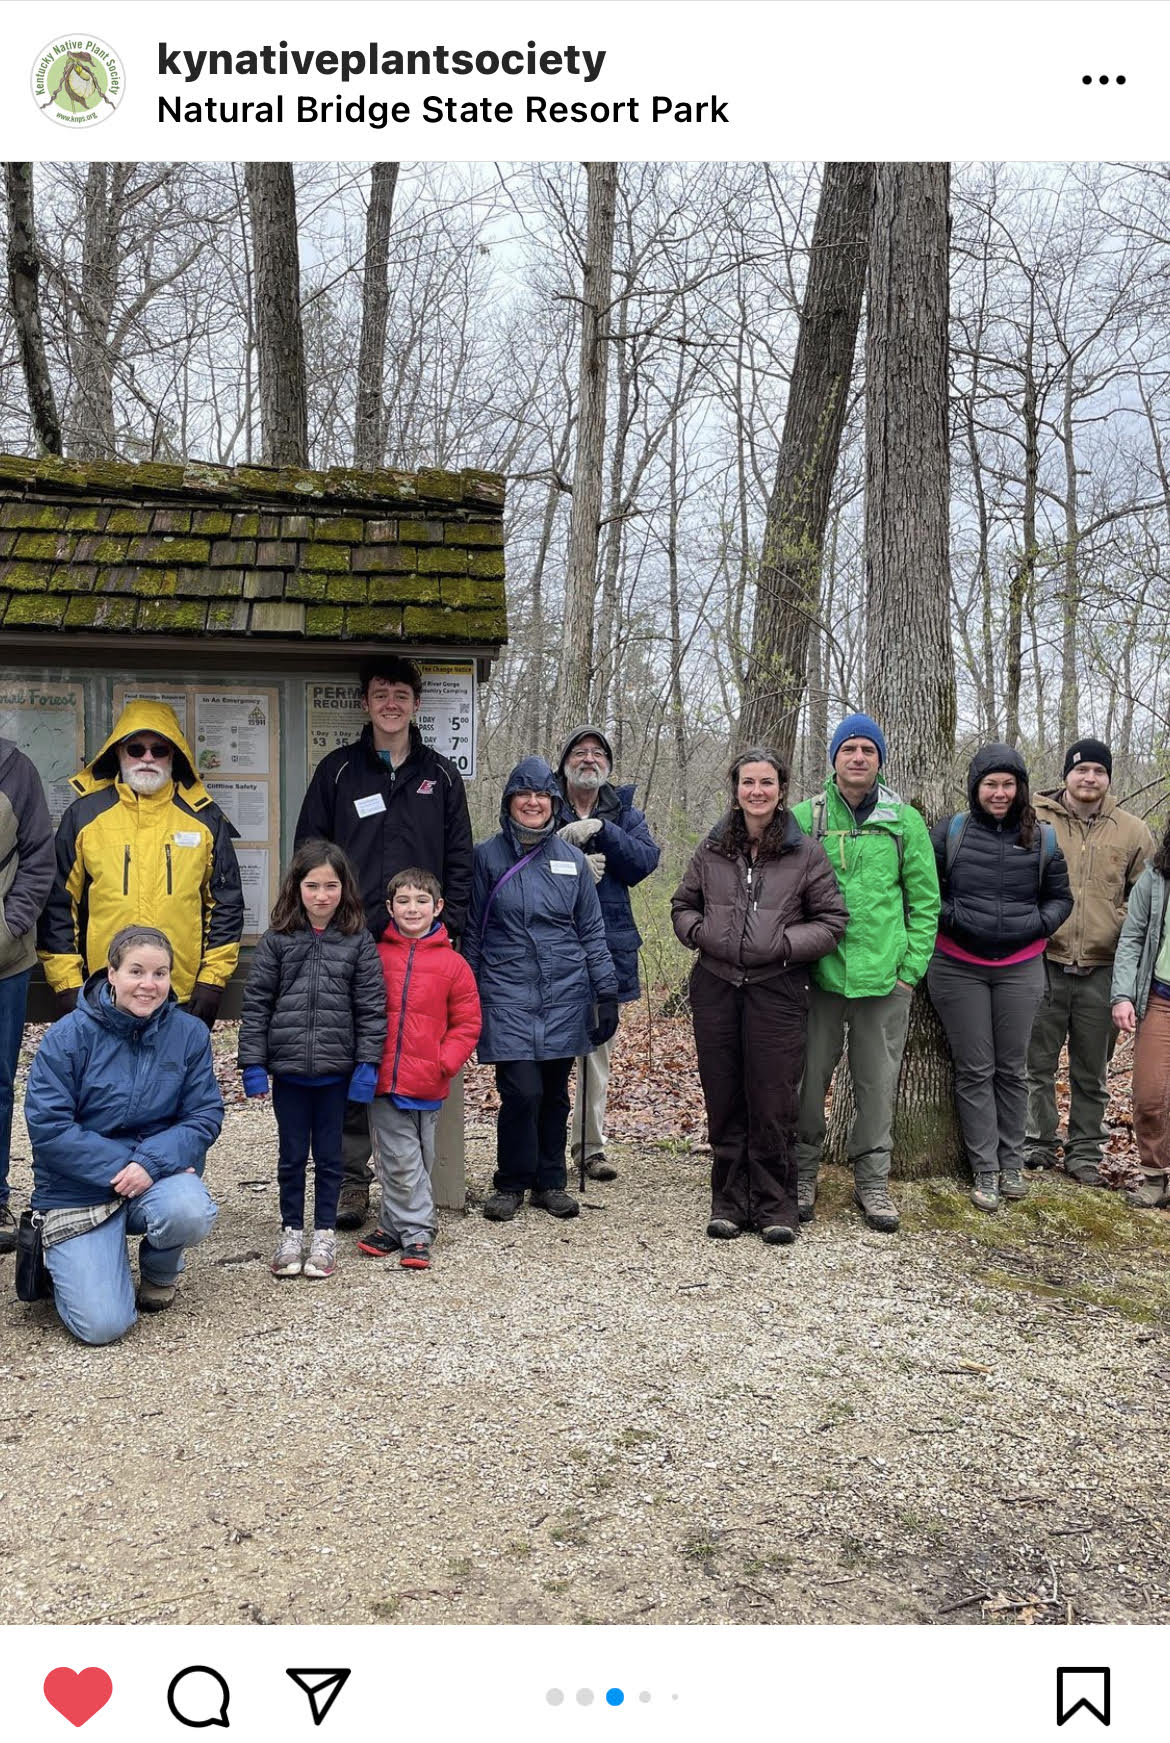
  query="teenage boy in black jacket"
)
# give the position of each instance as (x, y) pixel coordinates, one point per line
(390, 802)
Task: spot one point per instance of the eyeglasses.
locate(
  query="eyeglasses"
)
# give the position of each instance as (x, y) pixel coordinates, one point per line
(138, 748)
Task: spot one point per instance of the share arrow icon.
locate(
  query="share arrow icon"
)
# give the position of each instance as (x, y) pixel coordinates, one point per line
(322, 1688)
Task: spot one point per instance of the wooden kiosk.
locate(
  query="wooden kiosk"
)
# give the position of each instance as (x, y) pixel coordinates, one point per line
(245, 597)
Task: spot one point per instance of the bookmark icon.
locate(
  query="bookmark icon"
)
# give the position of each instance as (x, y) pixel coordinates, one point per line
(321, 1686)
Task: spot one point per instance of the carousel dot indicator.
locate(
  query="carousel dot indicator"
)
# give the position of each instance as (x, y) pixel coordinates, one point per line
(614, 1697)
(584, 1697)
(554, 1697)
(644, 1696)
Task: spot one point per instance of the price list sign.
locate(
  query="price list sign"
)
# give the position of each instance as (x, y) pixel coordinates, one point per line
(334, 715)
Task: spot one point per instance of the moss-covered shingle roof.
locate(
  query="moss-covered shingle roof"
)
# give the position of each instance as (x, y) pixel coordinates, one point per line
(109, 546)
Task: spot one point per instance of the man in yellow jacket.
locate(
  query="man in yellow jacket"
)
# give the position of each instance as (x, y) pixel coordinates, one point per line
(144, 841)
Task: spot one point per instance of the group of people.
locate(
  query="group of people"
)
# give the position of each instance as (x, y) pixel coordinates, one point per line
(394, 949)
(397, 948)
(815, 924)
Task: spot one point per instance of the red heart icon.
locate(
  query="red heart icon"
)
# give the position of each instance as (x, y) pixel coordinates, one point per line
(78, 1694)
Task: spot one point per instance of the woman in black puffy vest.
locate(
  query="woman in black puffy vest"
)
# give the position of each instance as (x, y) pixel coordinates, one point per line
(1005, 890)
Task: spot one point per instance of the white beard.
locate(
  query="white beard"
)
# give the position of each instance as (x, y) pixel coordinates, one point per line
(589, 780)
(146, 781)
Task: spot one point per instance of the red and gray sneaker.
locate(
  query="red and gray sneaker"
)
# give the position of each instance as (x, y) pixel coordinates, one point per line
(379, 1245)
(416, 1257)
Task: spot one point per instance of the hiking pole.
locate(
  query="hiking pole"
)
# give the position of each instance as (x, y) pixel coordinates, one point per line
(582, 1096)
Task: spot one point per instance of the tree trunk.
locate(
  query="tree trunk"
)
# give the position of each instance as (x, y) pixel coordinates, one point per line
(788, 589)
(284, 419)
(24, 269)
(909, 660)
(1023, 580)
(91, 406)
(1070, 702)
(369, 443)
(585, 517)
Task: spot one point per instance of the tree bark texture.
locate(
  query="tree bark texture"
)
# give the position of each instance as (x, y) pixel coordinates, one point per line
(788, 588)
(91, 406)
(909, 660)
(585, 517)
(910, 671)
(272, 207)
(369, 437)
(24, 269)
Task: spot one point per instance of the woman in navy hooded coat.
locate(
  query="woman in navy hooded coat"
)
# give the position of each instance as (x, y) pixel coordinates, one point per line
(536, 943)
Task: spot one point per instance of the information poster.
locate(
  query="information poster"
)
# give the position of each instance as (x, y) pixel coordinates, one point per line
(255, 865)
(234, 737)
(447, 718)
(47, 722)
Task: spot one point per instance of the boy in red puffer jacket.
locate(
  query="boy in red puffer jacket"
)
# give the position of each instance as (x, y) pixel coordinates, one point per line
(434, 1022)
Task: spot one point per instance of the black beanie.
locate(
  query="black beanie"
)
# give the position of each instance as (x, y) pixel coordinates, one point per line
(1089, 750)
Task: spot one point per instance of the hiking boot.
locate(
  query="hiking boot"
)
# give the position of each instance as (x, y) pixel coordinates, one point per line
(501, 1207)
(7, 1229)
(379, 1245)
(721, 1228)
(353, 1206)
(322, 1259)
(1085, 1174)
(806, 1200)
(597, 1168)
(1039, 1159)
(288, 1259)
(1012, 1184)
(556, 1202)
(877, 1207)
(777, 1235)
(985, 1192)
(416, 1257)
(1150, 1195)
(155, 1297)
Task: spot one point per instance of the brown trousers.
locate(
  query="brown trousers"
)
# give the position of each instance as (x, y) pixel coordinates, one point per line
(1151, 1086)
(750, 1046)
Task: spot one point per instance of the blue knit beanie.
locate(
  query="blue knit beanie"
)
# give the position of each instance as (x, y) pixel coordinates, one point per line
(858, 726)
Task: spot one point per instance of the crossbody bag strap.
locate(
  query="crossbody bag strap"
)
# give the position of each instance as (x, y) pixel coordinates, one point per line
(501, 881)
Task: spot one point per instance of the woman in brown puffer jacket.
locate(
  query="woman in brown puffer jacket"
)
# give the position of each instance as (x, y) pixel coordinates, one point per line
(759, 902)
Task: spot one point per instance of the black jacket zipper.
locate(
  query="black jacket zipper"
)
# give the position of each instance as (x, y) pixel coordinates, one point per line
(168, 854)
(126, 871)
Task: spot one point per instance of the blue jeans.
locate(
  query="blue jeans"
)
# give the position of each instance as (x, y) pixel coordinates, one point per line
(92, 1288)
(13, 998)
(309, 1118)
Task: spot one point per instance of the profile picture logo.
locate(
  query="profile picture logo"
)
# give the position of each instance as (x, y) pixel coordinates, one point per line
(77, 81)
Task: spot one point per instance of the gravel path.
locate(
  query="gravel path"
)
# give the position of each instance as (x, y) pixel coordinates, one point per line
(612, 1420)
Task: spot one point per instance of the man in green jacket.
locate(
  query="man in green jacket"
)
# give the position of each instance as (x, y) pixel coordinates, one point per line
(881, 852)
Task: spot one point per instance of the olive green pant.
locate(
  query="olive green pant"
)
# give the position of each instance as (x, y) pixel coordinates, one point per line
(1075, 1006)
(877, 1036)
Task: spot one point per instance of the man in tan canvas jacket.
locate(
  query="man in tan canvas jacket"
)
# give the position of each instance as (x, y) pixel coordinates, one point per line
(1105, 848)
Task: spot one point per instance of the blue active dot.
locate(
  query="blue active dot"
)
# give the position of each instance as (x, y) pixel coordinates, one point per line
(614, 1697)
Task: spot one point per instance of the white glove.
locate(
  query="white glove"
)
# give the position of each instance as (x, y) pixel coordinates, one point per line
(596, 866)
(580, 831)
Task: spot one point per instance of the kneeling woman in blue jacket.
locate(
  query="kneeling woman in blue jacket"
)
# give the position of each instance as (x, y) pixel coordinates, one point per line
(121, 1108)
(535, 940)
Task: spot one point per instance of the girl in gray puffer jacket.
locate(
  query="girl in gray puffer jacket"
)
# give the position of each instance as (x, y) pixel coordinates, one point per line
(315, 1017)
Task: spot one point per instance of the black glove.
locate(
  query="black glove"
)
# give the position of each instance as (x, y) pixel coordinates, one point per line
(607, 1021)
(204, 1001)
(67, 1000)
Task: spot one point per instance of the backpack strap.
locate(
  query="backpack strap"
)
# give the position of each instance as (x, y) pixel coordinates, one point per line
(819, 806)
(956, 829)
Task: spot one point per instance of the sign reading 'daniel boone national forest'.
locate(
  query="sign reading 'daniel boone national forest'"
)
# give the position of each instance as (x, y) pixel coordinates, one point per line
(47, 721)
(334, 714)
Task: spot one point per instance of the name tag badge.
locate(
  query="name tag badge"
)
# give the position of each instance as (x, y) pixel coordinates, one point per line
(186, 838)
(370, 806)
(565, 868)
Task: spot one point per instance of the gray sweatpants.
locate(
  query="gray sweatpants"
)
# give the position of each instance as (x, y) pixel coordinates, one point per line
(987, 1013)
(404, 1155)
(877, 1036)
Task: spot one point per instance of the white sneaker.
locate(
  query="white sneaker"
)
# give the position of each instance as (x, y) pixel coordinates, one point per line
(322, 1259)
(288, 1259)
